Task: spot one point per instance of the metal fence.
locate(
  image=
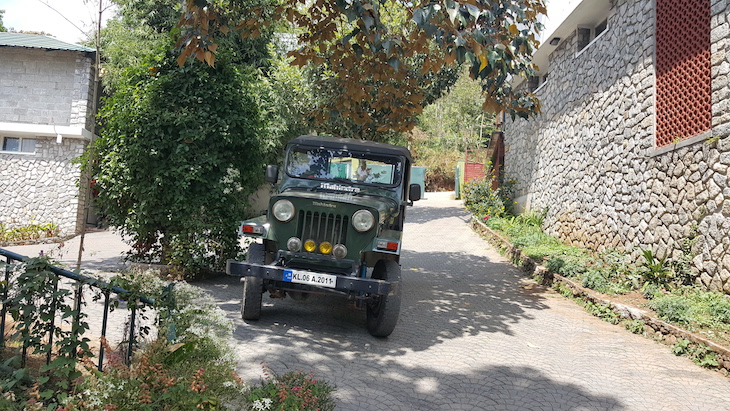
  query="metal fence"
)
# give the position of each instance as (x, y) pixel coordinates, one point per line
(79, 282)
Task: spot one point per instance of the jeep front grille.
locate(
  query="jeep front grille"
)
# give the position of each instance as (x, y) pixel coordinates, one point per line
(318, 226)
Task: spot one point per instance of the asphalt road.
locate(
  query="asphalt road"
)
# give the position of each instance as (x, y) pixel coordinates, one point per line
(474, 334)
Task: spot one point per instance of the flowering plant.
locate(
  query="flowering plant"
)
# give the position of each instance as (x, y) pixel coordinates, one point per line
(294, 390)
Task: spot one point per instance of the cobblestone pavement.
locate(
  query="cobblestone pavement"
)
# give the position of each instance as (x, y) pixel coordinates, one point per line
(474, 334)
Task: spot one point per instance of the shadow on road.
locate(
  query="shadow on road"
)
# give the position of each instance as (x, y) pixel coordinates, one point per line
(449, 299)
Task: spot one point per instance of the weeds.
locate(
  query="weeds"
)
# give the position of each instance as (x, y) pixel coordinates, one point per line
(31, 231)
(603, 311)
(699, 353)
(635, 326)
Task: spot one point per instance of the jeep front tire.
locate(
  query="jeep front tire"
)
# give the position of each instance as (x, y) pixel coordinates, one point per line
(383, 311)
(253, 287)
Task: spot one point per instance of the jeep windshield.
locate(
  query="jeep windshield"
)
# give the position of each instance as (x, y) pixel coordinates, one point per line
(344, 166)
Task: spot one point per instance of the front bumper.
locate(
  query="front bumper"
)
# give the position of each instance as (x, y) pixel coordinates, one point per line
(343, 283)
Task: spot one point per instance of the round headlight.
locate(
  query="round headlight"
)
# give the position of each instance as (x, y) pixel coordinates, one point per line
(294, 244)
(339, 251)
(363, 220)
(283, 210)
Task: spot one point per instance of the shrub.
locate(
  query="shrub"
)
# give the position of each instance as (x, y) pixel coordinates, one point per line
(189, 366)
(291, 391)
(481, 200)
(594, 280)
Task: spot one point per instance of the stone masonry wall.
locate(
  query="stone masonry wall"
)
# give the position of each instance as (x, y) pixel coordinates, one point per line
(590, 156)
(45, 87)
(42, 188)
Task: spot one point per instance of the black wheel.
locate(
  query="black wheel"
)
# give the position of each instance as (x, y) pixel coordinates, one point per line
(383, 311)
(253, 287)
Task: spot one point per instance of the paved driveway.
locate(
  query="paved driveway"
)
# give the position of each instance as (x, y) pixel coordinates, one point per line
(474, 334)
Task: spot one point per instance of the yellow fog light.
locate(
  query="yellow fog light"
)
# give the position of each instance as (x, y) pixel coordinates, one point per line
(310, 246)
(325, 247)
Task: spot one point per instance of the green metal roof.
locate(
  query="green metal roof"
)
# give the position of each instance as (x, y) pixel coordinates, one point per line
(38, 42)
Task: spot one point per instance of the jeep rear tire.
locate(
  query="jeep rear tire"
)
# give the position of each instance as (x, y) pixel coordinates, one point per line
(383, 311)
(253, 287)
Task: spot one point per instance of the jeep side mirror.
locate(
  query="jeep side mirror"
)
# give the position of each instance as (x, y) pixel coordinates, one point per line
(414, 194)
(272, 174)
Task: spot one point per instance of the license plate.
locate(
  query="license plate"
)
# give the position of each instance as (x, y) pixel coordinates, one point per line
(305, 277)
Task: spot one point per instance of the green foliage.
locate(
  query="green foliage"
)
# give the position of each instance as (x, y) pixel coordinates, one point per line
(448, 127)
(649, 291)
(594, 280)
(484, 202)
(365, 50)
(635, 326)
(28, 232)
(672, 308)
(34, 301)
(287, 97)
(655, 270)
(563, 289)
(456, 121)
(190, 366)
(681, 347)
(143, 29)
(181, 149)
(291, 391)
(699, 353)
(602, 311)
(2, 27)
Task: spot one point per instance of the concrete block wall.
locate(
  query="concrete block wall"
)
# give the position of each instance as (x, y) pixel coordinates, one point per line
(591, 158)
(45, 86)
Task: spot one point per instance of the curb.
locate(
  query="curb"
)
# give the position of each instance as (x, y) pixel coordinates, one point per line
(654, 327)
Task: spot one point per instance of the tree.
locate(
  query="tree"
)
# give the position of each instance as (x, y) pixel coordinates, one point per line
(456, 121)
(142, 29)
(2, 28)
(181, 149)
(365, 53)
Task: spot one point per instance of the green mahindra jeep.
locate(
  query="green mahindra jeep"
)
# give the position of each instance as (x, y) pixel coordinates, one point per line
(334, 227)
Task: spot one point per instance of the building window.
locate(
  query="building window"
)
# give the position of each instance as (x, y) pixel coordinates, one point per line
(683, 70)
(19, 145)
(585, 35)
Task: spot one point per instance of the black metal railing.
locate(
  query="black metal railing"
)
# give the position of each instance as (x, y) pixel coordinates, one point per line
(80, 281)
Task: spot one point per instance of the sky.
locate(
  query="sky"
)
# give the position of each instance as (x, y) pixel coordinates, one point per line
(34, 15)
